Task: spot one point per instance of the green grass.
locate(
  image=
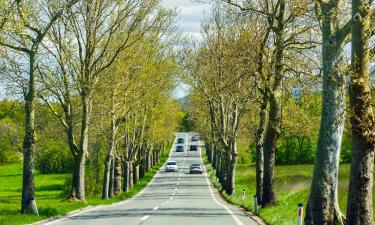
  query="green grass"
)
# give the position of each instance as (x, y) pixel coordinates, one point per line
(292, 187)
(48, 190)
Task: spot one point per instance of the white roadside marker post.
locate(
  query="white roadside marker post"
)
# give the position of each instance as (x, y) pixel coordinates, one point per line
(300, 214)
(243, 195)
(256, 210)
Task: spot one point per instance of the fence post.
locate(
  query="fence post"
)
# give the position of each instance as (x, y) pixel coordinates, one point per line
(256, 210)
(300, 213)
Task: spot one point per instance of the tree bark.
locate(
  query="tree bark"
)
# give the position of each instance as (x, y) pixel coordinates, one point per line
(112, 178)
(78, 185)
(322, 207)
(359, 207)
(28, 204)
(117, 178)
(135, 174)
(274, 120)
(270, 142)
(231, 170)
(131, 168)
(106, 179)
(259, 148)
(126, 175)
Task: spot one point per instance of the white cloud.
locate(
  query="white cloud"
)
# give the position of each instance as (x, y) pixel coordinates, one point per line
(190, 14)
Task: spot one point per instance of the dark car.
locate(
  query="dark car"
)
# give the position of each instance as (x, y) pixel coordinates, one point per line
(180, 140)
(194, 138)
(196, 168)
(193, 148)
(179, 148)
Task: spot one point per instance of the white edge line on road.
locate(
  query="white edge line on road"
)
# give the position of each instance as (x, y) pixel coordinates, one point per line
(156, 208)
(238, 221)
(145, 218)
(114, 204)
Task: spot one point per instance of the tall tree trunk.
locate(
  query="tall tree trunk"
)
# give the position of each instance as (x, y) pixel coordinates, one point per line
(117, 178)
(142, 168)
(107, 170)
(270, 142)
(259, 148)
(112, 178)
(274, 120)
(223, 167)
(131, 168)
(322, 206)
(359, 208)
(126, 174)
(214, 158)
(135, 174)
(231, 171)
(78, 185)
(28, 204)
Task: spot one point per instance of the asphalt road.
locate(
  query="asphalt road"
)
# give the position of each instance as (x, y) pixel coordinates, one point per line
(173, 198)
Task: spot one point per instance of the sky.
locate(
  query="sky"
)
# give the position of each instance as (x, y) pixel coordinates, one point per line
(190, 14)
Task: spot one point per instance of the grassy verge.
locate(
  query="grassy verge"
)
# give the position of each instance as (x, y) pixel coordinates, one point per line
(48, 189)
(292, 186)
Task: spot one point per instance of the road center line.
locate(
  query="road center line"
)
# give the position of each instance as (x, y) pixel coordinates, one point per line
(175, 189)
(170, 198)
(156, 208)
(145, 218)
(174, 194)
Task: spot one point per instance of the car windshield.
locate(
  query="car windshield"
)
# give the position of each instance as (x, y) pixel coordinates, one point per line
(171, 163)
(195, 165)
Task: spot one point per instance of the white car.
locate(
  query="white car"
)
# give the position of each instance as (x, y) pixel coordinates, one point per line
(171, 166)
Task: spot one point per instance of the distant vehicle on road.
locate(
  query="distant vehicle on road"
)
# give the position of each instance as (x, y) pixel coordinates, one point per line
(193, 148)
(171, 166)
(196, 168)
(194, 138)
(180, 141)
(180, 148)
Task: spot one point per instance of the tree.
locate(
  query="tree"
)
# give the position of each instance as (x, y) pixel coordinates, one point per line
(23, 30)
(359, 208)
(322, 206)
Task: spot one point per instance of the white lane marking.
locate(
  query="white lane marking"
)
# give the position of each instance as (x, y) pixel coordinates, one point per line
(145, 218)
(179, 179)
(170, 198)
(167, 202)
(175, 189)
(235, 218)
(180, 175)
(178, 184)
(162, 203)
(156, 208)
(174, 194)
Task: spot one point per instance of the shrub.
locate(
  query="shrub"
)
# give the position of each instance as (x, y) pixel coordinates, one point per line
(53, 156)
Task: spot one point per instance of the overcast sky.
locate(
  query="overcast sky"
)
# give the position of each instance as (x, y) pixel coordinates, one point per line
(189, 17)
(190, 14)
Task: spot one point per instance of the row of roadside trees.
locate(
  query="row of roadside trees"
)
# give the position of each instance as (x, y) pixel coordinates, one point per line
(256, 53)
(104, 70)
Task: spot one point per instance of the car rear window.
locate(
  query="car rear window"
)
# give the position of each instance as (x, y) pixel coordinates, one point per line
(171, 163)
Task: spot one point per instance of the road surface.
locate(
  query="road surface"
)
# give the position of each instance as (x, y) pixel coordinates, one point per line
(174, 198)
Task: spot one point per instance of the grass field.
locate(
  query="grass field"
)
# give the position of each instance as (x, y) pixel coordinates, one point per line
(292, 186)
(48, 189)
